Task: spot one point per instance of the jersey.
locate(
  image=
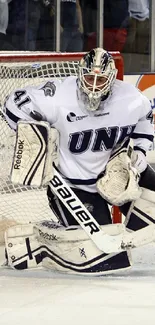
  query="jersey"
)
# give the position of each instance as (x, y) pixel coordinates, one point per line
(87, 139)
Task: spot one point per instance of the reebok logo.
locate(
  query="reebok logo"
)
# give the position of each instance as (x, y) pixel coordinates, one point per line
(19, 154)
(71, 117)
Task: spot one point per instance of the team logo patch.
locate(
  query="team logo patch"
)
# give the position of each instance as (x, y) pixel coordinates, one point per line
(49, 88)
(89, 207)
(71, 117)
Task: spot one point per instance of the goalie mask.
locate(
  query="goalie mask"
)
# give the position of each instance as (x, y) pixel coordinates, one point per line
(96, 75)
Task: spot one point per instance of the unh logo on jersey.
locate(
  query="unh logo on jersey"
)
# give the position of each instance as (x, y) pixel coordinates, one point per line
(49, 88)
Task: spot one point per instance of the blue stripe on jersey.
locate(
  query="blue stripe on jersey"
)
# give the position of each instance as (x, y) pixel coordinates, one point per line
(12, 116)
(77, 181)
(142, 136)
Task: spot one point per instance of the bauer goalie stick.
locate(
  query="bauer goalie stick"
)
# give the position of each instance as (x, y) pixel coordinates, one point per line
(105, 242)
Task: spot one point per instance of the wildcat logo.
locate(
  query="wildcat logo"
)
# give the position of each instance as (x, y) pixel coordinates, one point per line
(89, 207)
(49, 88)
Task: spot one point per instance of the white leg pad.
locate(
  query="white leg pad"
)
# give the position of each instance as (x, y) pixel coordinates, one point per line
(61, 249)
(20, 241)
(143, 208)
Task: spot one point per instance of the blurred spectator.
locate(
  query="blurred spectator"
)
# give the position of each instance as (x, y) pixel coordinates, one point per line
(16, 27)
(136, 50)
(89, 13)
(4, 17)
(115, 26)
(33, 15)
(46, 30)
(138, 28)
(71, 26)
(24, 23)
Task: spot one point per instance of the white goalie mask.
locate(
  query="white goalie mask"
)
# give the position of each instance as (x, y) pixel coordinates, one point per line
(96, 75)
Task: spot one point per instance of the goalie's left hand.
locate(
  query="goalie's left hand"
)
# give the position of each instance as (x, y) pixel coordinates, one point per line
(119, 184)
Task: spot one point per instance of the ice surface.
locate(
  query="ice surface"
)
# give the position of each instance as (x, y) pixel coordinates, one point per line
(42, 297)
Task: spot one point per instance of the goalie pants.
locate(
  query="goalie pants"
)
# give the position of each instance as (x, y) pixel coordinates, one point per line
(95, 204)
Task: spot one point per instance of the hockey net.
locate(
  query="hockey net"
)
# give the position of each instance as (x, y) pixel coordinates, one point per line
(21, 204)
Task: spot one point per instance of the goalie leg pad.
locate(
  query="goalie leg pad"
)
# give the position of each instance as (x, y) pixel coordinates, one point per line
(142, 212)
(82, 258)
(61, 250)
(22, 247)
(35, 150)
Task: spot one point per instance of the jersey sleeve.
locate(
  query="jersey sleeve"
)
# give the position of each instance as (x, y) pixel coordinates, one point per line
(143, 134)
(32, 103)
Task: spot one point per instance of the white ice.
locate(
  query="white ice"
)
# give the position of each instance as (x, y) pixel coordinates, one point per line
(45, 298)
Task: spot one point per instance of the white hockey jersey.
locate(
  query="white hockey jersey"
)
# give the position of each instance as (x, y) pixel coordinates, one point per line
(86, 139)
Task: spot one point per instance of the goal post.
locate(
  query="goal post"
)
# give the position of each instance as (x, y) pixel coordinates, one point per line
(21, 204)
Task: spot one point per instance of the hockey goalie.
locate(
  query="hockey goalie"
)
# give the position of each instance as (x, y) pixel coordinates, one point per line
(85, 139)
